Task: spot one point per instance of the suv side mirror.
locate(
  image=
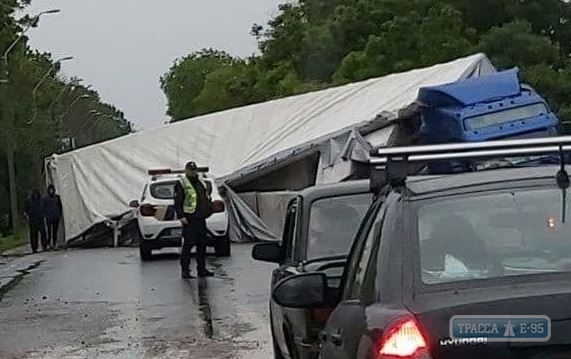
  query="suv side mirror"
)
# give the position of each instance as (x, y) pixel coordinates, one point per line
(268, 252)
(302, 291)
(134, 204)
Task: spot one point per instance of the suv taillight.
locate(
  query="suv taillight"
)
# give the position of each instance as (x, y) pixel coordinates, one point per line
(147, 210)
(403, 340)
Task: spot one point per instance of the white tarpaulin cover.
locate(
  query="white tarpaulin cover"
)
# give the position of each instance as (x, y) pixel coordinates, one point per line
(99, 181)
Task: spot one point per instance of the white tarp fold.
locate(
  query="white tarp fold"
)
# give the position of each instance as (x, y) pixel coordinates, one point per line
(99, 181)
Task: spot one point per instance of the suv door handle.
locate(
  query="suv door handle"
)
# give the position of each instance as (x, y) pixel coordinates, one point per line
(335, 339)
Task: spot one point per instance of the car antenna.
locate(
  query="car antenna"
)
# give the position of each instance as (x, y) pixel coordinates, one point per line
(563, 183)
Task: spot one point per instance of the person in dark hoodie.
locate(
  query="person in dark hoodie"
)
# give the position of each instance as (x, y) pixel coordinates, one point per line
(52, 211)
(35, 213)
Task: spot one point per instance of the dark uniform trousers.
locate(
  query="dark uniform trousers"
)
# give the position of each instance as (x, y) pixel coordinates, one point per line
(35, 228)
(194, 234)
(53, 225)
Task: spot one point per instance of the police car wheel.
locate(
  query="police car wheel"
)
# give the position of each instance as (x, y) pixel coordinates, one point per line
(223, 246)
(145, 251)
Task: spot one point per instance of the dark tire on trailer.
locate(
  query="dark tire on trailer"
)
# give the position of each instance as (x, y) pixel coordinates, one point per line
(145, 251)
(223, 246)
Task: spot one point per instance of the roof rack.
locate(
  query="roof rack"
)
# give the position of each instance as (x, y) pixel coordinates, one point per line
(393, 165)
(165, 171)
(476, 150)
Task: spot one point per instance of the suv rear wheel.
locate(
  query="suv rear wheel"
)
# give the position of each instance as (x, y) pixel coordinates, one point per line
(223, 246)
(145, 251)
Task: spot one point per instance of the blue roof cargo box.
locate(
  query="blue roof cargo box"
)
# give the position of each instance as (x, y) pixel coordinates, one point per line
(483, 108)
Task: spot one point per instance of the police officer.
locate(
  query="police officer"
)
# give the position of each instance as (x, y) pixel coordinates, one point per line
(193, 206)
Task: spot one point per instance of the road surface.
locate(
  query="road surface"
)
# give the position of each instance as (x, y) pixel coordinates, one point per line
(106, 303)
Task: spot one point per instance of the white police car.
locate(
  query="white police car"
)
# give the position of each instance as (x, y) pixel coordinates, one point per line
(156, 217)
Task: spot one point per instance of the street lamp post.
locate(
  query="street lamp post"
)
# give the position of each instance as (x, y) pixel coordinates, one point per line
(59, 96)
(86, 128)
(73, 103)
(49, 72)
(71, 88)
(34, 21)
(105, 116)
(89, 117)
(46, 76)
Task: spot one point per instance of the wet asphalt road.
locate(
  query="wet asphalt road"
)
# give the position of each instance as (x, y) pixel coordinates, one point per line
(106, 303)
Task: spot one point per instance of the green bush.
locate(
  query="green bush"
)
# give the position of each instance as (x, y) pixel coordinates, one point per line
(13, 241)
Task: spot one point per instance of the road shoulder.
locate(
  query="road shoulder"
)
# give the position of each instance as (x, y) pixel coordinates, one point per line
(15, 264)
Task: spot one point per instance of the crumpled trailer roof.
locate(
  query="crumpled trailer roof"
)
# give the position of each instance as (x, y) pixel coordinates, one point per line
(97, 182)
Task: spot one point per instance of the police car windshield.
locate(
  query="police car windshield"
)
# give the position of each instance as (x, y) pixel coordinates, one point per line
(333, 223)
(501, 234)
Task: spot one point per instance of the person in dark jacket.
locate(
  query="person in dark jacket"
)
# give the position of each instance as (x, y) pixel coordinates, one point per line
(52, 211)
(193, 205)
(35, 213)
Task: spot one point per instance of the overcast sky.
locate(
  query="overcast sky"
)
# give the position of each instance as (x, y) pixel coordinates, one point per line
(122, 47)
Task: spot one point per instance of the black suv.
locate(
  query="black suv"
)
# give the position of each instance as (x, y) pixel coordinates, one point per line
(320, 225)
(494, 242)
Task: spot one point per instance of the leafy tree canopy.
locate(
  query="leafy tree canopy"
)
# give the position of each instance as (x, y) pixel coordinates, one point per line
(313, 44)
(39, 109)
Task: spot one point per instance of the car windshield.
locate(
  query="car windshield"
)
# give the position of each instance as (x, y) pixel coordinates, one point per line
(163, 190)
(483, 236)
(333, 223)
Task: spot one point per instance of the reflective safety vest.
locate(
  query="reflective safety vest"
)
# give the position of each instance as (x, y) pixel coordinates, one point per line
(190, 196)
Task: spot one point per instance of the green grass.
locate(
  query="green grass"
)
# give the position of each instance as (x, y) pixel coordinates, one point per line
(13, 241)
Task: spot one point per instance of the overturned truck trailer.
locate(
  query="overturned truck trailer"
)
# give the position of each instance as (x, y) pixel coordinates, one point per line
(491, 106)
(261, 153)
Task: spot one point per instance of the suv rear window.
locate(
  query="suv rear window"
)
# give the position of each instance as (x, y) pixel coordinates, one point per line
(333, 223)
(502, 234)
(163, 190)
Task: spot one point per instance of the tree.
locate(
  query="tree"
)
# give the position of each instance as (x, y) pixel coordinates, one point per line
(313, 44)
(407, 41)
(185, 80)
(514, 43)
(539, 58)
(32, 122)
